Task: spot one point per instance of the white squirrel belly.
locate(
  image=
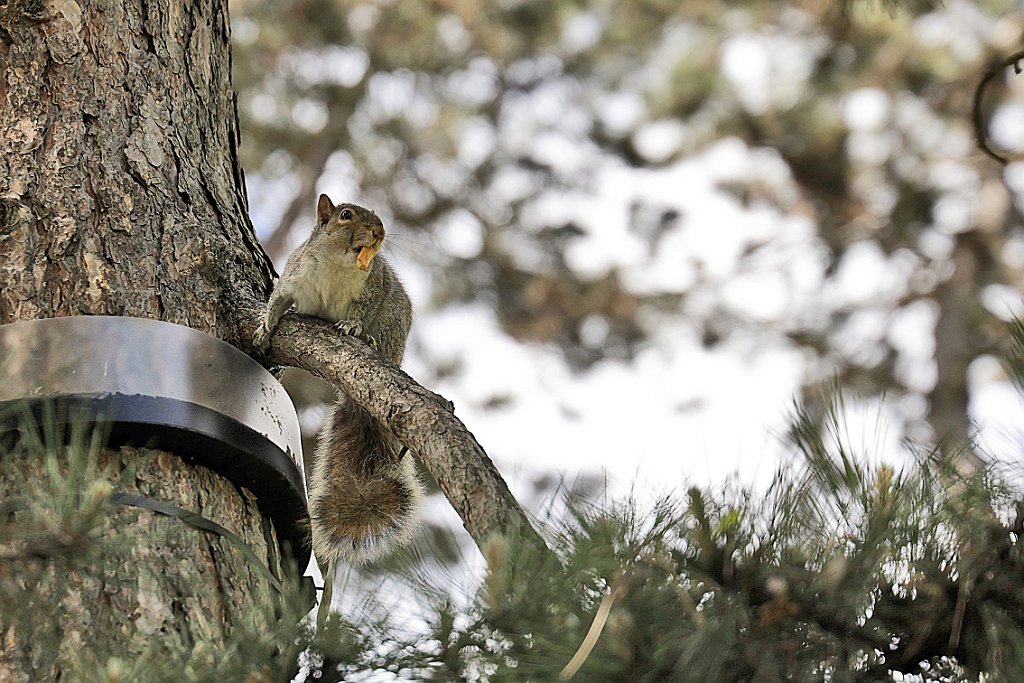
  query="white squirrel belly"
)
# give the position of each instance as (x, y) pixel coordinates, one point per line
(328, 297)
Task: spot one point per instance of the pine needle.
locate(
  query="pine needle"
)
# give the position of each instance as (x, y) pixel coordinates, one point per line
(596, 627)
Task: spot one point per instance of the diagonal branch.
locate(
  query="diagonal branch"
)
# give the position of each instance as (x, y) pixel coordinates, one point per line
(977, 117)
(422, 420)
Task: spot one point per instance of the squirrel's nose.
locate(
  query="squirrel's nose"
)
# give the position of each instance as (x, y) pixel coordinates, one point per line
(378, 232)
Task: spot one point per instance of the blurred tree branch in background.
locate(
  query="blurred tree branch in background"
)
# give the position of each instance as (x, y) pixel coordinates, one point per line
(978, 117)
(537, 154)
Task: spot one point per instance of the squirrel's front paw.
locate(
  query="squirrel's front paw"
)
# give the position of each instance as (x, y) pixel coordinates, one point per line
(261, 339)
(356, 330)
(350, 327)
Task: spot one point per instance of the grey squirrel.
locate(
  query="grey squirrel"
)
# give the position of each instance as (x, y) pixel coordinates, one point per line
(364, 493)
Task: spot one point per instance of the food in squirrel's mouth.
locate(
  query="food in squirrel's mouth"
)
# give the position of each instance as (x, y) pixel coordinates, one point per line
(366, 255)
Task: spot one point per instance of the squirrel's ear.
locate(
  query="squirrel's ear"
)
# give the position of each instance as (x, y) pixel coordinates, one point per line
(324, 209)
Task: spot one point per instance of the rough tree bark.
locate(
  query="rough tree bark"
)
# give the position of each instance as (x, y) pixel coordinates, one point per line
(120, 187)
(121, 194)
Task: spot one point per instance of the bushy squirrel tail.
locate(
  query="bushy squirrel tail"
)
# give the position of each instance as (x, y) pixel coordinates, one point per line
(364, 495)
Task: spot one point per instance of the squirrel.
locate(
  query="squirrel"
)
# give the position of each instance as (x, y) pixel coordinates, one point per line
(364, 493)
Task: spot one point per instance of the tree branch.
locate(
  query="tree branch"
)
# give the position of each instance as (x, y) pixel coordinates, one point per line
(422, 420)
(977, 118)
(310, 167)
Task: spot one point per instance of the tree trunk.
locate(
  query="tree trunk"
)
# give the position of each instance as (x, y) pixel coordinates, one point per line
(165, 586)
(957, 338)
(121, 194)
(120, 185)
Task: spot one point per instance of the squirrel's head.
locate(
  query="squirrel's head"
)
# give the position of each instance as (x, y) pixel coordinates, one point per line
(352, 231)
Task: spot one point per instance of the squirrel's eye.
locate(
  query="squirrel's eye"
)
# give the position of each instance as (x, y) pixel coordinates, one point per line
(346, 215)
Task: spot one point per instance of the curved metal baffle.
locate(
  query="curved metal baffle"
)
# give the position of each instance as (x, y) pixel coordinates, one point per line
(194, 394)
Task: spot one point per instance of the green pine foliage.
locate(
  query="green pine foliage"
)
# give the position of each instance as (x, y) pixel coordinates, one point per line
(840, 571)
(62, 525)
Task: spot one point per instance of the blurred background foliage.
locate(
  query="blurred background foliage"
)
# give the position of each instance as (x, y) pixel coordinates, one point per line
(555, 162)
